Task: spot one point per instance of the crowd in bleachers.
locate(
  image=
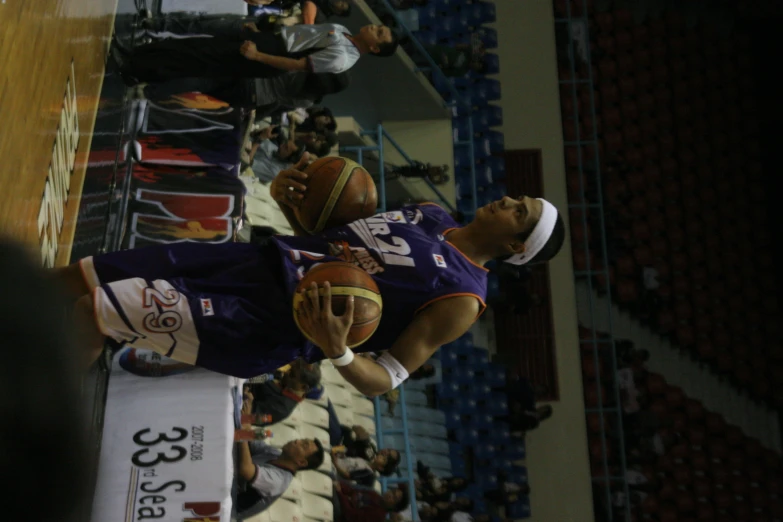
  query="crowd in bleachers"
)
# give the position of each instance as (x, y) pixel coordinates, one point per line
(677, 137)
(681, 459)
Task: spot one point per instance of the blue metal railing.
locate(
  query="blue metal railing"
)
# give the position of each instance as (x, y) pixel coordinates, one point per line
(379, 134)
(583, 206)
(457, 100)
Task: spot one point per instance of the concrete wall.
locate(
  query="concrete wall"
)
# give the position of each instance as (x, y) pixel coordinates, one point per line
(557, 458)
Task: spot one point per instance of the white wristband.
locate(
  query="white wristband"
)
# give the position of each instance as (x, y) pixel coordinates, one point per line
(345, 359)
(397, 372)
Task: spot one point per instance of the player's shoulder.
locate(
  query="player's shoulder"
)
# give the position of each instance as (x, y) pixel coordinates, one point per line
(432, 211)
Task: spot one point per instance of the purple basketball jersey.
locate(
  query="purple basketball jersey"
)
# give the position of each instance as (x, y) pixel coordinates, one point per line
(406, 253)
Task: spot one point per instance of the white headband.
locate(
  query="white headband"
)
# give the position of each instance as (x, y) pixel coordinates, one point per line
(540, 235)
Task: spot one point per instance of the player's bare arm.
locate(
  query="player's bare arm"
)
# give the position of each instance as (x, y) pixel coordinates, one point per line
(440, 323)
(288, 190)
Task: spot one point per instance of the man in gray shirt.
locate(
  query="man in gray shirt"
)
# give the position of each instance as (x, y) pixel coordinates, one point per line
(325, 48)
(266, 472)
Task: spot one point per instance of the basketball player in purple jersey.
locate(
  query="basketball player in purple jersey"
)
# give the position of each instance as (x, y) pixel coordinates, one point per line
(228, 307)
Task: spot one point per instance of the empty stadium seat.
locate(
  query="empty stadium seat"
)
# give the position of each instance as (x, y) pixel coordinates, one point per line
(329, 374)
(344, 414)
(340, 396)
(294, 490)
(313, 414)
(281, 510)
(316, 507)
(308, 431)
(316, 483)
(362, 406)
(281, 434)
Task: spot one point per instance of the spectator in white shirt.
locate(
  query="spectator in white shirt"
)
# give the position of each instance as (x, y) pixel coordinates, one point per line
(266, 472)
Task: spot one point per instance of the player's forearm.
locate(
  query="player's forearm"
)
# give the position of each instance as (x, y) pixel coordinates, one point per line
(281, 62)
(367, 376)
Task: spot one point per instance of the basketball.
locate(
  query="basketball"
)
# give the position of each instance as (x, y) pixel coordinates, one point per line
(346, 280)
(339, 191)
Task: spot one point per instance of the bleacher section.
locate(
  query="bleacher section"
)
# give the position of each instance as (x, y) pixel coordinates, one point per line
(695, 465)
(677, 139)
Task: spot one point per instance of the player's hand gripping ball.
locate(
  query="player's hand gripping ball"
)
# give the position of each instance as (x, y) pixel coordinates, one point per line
(338, 191)
(346, 310)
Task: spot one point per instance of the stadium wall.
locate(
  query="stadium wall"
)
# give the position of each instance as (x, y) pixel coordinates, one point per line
(557, 456)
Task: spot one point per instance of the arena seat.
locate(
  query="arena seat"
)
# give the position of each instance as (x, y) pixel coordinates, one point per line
(316, 483)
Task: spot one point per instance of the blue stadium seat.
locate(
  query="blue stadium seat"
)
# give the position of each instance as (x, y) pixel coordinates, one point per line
(438, 446)
(485, 451)
(500, 435)
(453, 419)
(519, 509)
(465, 406)
(491, 63)
(484, 91)
(483, 421)
(518, 476)
(468, 436)
(425, 414)
(423, 429)
(515, 451)
(489, 37)
(497, 164)
(487, 481)
(429, 14)
(488, 116)
(496, 139)
(426, 37)
(415, 397)
(449, 358)
(447, 390)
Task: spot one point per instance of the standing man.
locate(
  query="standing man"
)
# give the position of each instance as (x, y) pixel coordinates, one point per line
(326, 48)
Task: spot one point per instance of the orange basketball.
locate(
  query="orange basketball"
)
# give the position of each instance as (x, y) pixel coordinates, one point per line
(346, 279)
(339, 191)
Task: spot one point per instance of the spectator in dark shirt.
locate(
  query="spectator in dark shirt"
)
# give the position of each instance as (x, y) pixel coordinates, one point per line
(273, 401)
(362, 471)
(361, 505)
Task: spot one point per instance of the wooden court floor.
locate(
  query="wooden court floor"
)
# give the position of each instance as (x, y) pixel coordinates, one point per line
(52, 55)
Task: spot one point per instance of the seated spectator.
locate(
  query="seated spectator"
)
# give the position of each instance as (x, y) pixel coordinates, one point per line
(352, 504)
(274, 400)
(357, 443)
(431, 488)
(362, 471)
(320, 144)
(319, 119)
(265, 472)
(270, 156)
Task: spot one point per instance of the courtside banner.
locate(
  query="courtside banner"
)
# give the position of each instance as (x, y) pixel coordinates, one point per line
(167, 448)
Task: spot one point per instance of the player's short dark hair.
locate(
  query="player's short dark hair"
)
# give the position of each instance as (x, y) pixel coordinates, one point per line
(404, 502)
(315, 460)
(387, 49)
(391, 464)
